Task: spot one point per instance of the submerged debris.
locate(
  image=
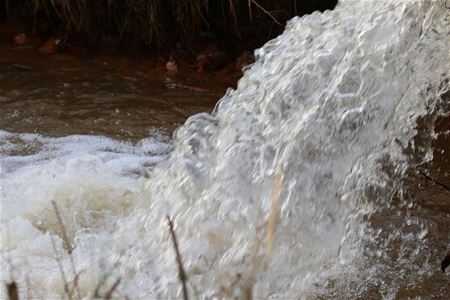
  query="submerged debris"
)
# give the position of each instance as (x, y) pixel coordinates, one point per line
(49, 47)
(172, 65)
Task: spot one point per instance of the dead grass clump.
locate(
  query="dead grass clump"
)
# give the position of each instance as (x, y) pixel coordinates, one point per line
(160, 23)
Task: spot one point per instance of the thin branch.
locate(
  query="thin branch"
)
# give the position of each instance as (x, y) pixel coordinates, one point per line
(75, 283)
(434, 180)
(113, 288)
(181, 273)
(7, 8)
(266, 12)
(235, 20)
(250, 11)
(60, 266)
(66, 240)
(11, 270)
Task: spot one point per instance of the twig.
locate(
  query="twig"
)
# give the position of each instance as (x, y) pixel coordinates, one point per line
(235, 20)
(7, 8)
(75, 283)
(11, 270)
(110, 292)
(23, 47)
(271, 226)
(181, 273)
(192, 88)
(265, 11)
(60, 266)
(13, 292)
(434, 180)
(66, 240)
(250, 11)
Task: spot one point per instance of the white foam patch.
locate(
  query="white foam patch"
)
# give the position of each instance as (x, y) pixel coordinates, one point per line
(94, 182)
(20, 151)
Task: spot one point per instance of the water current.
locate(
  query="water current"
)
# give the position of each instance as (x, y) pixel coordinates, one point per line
(303, 183)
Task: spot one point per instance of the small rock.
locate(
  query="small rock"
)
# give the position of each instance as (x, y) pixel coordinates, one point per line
(20, 39)
(49, 47)
(172, 65)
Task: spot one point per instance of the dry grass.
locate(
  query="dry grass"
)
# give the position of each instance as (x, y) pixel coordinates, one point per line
(162, 22)
(73, 291)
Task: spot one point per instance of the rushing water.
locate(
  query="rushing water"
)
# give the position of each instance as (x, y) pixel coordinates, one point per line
(292, 188)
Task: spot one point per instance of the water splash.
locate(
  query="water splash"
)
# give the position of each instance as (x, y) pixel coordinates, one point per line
(330, 106)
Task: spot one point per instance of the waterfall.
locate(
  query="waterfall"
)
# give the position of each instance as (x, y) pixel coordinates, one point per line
(313, 138)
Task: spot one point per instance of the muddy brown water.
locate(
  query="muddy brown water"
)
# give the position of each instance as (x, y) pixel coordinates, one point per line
(397, 264)
(86, 97)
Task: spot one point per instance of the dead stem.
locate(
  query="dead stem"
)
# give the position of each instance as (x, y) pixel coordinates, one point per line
(111, 291)
(13, 292)
(11, 288)
(434, 180)
(66, 240)
(181, 273)
(271, 226)
(60, 266)
(75, 284)
(266, 12)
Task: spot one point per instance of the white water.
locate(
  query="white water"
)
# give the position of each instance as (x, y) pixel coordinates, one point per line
(327, 106)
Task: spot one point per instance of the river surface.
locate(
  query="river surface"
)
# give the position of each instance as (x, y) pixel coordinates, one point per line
(322, 176)
(88, 96)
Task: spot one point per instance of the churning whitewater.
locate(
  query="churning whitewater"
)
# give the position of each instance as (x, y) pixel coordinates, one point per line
(269, 194)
